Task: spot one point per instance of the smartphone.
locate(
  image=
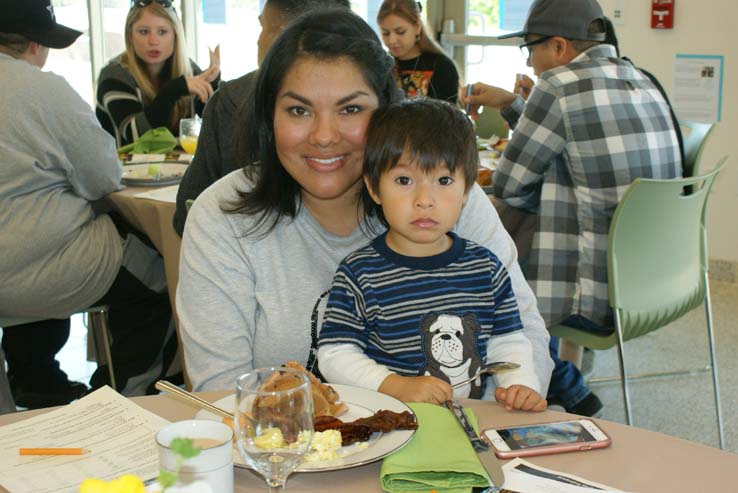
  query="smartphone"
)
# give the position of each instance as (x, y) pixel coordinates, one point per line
(546, 438)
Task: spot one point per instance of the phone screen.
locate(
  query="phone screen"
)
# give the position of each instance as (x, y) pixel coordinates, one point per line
(546, 434)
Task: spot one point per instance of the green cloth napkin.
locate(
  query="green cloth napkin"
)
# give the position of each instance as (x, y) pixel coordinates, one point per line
(155, 141)
(439, 456)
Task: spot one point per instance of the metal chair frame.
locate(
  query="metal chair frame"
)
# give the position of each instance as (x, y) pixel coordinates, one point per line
(98, 326)
(636, 317)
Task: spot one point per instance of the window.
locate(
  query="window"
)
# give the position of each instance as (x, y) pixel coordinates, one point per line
(237, 36)
(494, 65)
(73, 63)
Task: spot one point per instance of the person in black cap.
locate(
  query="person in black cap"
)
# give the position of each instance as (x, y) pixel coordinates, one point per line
(58, 256)
(591, 125)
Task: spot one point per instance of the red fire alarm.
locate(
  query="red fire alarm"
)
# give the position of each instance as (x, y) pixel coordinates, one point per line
(662, 14)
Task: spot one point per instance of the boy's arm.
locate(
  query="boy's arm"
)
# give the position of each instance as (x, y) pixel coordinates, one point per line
(516, 348)
(347, 364)
(508, 342)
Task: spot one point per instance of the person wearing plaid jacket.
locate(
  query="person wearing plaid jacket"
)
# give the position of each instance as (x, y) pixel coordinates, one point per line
(591, 125)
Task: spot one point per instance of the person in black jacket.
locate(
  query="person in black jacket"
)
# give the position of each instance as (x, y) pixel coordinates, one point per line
(152, 83)
(228, 111)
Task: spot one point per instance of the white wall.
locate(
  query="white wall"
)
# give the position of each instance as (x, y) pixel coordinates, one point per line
(706, 27)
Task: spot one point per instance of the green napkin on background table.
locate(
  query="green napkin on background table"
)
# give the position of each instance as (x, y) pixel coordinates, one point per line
(155, 141)
(439, 456)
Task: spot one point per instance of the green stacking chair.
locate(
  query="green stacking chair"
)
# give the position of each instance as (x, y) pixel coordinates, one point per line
(650, 288)
(694, 135)
(491, 123)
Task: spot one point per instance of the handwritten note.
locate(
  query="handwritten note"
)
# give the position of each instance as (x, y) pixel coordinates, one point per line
(118, 433)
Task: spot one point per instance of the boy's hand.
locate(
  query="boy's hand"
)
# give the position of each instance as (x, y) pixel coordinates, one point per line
(417, 389)
(520, 397)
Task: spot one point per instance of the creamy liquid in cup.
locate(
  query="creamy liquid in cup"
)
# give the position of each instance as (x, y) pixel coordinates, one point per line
(205, 443)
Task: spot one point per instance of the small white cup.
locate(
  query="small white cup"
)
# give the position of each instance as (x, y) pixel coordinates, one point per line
(212, 467)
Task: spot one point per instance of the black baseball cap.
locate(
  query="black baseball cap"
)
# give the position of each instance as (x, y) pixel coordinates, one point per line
(35, 19)
(569, 19)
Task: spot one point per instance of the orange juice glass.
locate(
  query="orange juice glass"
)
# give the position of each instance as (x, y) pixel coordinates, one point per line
(189, 130)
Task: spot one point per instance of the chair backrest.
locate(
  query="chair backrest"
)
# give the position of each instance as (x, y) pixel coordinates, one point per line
(656, 259)
(695, 135)
(491, 123)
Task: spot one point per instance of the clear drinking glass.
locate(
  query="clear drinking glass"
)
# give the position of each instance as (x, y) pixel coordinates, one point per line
(274, 421)
(189, 131)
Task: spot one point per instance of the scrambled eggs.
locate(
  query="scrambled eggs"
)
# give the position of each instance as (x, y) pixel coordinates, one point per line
(325, 444)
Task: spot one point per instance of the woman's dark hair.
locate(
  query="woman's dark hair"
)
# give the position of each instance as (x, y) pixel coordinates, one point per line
(429, 132)
(325, 35)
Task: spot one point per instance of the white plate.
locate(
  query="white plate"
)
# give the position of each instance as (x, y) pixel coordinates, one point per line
(138, 174)
(361, 404)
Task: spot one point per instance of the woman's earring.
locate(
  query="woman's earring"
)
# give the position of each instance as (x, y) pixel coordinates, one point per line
(417, 38)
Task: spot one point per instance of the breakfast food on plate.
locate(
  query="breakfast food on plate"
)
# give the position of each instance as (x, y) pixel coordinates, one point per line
(325, 398)
(501, 145)
(484, 177)
(361, 429)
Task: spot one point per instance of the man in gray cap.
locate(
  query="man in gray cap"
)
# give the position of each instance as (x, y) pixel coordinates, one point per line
(58, 255)
(591, 125)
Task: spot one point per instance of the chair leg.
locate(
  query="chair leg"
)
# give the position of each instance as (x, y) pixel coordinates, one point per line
(621, 360)
(713, 362)
(99, 322)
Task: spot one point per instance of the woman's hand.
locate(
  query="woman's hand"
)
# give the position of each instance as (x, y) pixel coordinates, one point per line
(484, 95)
(198, 85)
(417, 389)
(520, 397)
(214, 68)
(201, 85)
(523, 85)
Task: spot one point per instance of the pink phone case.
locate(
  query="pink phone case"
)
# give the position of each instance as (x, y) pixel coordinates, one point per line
(547, 449)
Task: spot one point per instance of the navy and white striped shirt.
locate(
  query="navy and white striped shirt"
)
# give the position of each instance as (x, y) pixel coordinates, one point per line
(380, 301)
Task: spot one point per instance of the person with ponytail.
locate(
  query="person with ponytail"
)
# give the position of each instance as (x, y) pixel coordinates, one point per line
(421, 67)
(152, 83)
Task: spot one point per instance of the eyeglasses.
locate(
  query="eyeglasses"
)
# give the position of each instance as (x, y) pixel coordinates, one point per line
(525, 48)
(143, 3)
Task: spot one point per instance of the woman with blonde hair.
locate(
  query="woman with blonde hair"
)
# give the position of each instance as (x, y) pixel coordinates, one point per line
(421, 66)
(152, 83)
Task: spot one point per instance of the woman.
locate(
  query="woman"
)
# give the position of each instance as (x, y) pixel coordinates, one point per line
(261, 245)
(151, 83)
(421, 67)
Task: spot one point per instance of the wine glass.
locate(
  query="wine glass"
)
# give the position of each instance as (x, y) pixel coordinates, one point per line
(274, 421)
(189, 131)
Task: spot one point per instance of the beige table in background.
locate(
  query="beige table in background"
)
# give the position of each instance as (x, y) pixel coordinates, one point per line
(154, 218)
(638, 461)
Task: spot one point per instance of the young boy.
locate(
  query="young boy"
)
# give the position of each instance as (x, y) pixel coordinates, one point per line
(420, 309)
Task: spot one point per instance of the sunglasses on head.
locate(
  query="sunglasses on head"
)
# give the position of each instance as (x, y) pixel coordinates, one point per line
(143, 3)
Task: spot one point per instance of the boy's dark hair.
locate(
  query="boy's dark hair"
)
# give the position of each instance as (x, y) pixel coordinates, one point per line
(430, 131)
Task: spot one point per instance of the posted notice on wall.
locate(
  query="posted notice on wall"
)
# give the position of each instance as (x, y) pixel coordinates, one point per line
(698, 87)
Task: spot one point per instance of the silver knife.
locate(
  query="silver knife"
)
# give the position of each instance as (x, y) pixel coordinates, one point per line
(486, 456)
